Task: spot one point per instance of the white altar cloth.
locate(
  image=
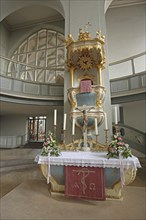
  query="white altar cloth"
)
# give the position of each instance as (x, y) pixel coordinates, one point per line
(88, 159)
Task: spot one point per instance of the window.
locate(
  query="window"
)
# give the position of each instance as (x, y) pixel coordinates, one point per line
(40, 58)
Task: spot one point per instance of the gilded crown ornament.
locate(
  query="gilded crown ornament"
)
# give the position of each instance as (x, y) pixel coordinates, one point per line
(86, 52)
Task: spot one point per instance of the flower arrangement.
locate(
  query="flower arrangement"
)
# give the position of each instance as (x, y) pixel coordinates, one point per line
(50, 146)
(117, 147)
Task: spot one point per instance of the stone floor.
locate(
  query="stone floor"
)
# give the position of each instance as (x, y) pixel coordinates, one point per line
(24, 194)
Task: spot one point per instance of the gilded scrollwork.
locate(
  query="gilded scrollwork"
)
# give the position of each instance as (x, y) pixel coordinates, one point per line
(99, 104)
(130, 175)
(69, 40)
(72, 96)
(85, 62)
(87, 52)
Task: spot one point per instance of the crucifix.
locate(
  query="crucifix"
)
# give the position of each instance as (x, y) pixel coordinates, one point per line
(85, 124)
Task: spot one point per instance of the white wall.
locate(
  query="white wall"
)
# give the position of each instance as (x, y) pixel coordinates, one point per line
(126, 34)
(14, 127)
(134, 115)
(4, 39)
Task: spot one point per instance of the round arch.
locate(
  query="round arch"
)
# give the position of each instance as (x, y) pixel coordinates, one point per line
(106, 5)
(9, 7)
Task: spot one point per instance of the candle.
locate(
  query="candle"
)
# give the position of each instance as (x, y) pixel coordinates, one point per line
(73, 126)
(116, 115)
(105, 119)
(55, 116)
(96, 127)
(64, 123)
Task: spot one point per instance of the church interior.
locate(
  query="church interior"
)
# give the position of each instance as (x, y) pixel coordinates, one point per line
(72, 109)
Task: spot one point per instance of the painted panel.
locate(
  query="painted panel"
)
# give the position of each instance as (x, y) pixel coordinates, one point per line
(85, 182)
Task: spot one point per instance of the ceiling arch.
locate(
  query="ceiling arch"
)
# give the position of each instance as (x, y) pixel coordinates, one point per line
(10, 8)
(107, 4)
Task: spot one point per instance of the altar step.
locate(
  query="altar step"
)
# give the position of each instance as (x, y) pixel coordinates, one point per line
(34, 145)
(19, 158)
(15, 164)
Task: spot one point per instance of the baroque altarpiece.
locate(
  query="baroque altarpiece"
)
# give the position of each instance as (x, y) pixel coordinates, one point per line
(85, 62)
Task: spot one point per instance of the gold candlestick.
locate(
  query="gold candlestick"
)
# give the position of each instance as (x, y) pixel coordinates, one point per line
(73, 139)
(106, 136)
(96, 139)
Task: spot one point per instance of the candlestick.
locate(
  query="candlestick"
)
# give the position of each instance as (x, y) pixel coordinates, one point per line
(96, 127)
(96, 139)
(105, 120)
(64, 123)
(64, 139)
(106, 136)
(73, 141)
(116, 115)
(55, 116)
(55, 131)
(73, 126)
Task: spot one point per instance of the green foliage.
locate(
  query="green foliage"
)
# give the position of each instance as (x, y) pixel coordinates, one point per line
(117, 147)
(50, 146)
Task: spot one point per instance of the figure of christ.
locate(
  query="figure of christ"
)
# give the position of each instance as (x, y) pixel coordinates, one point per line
(85, 123)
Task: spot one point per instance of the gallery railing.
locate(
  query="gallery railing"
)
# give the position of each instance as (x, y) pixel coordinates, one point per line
(126, 67)
(31, 73)
(13, 141)
(135, 138)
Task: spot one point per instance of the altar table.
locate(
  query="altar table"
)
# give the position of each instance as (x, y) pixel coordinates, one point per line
(107, 175)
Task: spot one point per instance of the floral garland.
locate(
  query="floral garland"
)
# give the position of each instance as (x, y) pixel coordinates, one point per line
(50, 146)
(117, 147)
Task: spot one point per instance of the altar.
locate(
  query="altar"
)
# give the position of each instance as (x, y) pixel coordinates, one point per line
(88, 175)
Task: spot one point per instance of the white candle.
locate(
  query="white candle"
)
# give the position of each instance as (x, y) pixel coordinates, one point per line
(73, 126)
(105, 120)
(116, 115)
(96, 127)
(55, 116)
(64, 123)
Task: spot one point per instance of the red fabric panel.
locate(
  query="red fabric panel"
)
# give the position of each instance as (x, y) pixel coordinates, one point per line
(84, 182)
(85, 86)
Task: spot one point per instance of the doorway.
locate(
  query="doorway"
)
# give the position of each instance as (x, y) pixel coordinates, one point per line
(36, 129)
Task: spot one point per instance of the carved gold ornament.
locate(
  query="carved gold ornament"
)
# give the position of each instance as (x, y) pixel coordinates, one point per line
(86, 52)
(85, 62)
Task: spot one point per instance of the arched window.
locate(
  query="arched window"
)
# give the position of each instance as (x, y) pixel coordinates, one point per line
(40, 58)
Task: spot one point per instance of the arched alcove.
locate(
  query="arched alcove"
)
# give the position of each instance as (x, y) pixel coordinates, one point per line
(8, 7)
